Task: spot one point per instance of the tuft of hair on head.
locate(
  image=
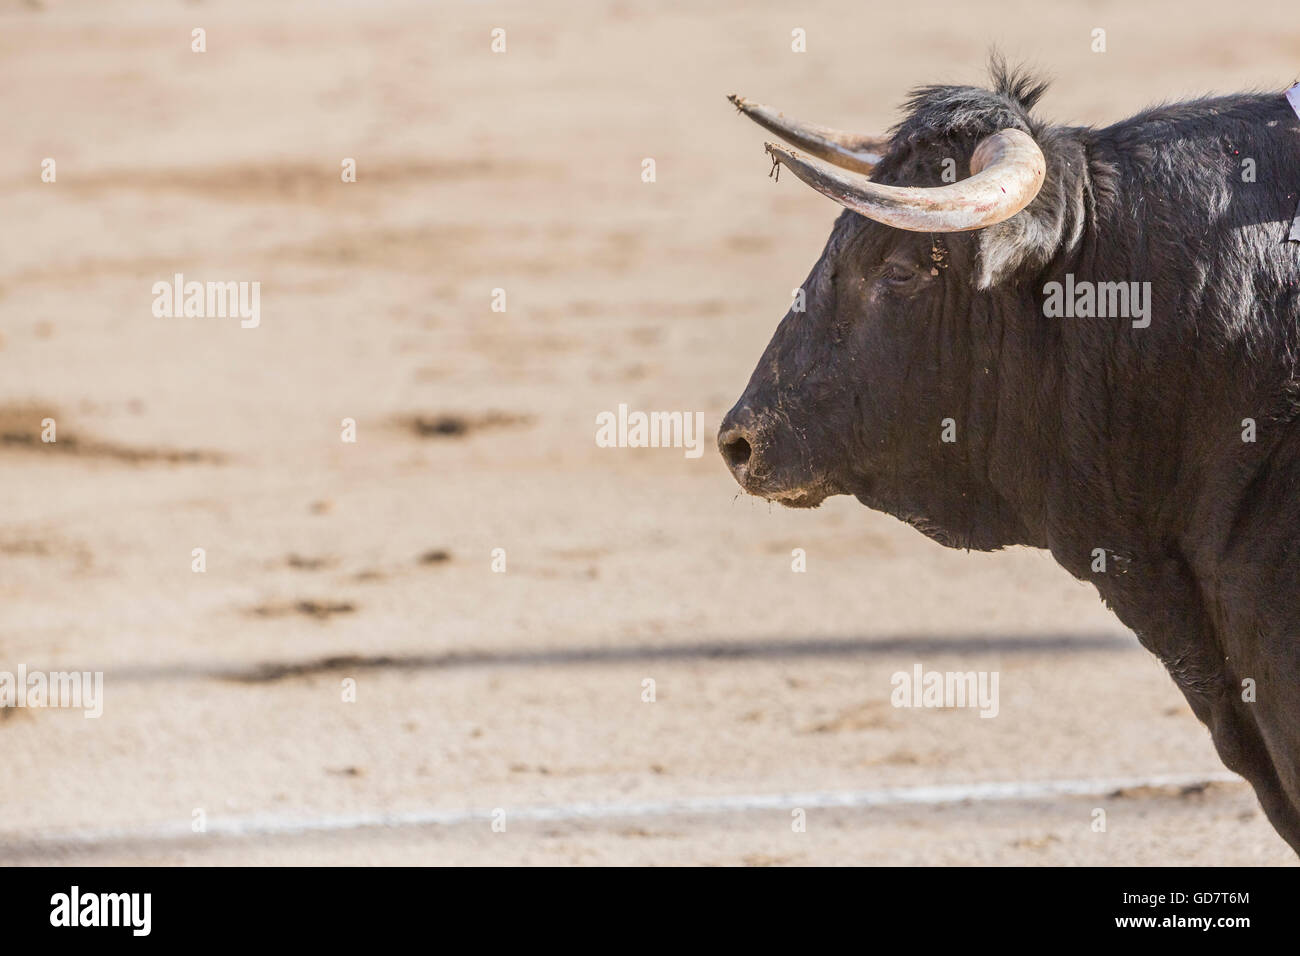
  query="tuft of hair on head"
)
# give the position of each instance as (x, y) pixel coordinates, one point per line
(1016, 83)
(933, 112)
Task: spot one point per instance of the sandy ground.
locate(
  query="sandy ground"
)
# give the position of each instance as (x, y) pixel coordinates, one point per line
(371, 561)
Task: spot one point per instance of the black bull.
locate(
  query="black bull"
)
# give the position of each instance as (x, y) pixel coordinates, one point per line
(930, 376)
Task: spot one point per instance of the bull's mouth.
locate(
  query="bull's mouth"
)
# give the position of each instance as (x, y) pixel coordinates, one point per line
(808, 494)
(800, 499)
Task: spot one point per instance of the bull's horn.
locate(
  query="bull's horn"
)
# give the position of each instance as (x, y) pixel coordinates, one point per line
(849, 150)
(1007, 170)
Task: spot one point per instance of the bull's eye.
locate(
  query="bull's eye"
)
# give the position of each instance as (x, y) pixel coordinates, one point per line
(899, 279)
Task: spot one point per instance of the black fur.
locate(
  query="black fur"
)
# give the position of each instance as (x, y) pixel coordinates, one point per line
(1078, 434)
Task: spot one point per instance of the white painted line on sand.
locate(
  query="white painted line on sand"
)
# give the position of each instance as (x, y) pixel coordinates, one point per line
(273, 824)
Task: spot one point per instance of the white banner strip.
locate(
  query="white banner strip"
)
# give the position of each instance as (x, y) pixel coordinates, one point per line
(291, 825)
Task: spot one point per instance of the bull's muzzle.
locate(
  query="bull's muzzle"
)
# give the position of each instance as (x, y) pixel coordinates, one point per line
(758, 448)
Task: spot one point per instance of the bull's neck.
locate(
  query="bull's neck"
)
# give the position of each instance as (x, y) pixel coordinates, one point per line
(1071, 461)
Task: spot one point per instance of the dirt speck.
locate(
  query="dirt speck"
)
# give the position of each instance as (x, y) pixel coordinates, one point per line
(321, 610)
(455, 425)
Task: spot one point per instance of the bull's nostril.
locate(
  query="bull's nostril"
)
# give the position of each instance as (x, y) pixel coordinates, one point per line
(736, 452)
(734, 442)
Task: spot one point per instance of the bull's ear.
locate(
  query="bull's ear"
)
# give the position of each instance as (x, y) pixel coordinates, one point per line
(1030, 239)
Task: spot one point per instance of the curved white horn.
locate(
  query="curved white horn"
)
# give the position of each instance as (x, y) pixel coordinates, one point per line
(1007, 170)
(848, 150)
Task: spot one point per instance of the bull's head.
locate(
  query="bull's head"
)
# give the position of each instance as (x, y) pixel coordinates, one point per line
(882, 382)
